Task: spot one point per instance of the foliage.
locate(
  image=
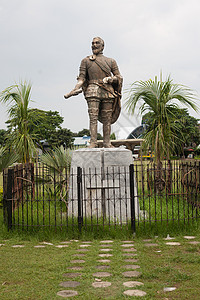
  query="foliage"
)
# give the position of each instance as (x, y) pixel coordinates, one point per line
(160, 98)
(62, 137)
(2, 137)
(113, 136)
(58, 163)
(87, 132)
(7, 158)
(82, 132)
(17, 97)
(186, 128)
(43, 125)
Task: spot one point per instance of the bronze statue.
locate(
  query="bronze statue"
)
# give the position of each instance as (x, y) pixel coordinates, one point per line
(101, 82)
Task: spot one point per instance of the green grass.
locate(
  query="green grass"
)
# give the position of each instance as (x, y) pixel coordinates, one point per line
(30, 273)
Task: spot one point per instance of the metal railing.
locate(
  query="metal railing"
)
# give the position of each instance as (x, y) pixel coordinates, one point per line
(40, 196)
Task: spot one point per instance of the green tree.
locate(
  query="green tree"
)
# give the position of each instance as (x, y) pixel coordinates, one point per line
(43, 125)
(160, 98)
(113, 136)
(84, 132)
(61, 137)
(87, 132)
(17, 97)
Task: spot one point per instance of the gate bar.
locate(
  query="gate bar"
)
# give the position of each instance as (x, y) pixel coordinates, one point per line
(132, 196)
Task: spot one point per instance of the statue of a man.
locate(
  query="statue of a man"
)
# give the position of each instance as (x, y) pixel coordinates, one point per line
(101, 82)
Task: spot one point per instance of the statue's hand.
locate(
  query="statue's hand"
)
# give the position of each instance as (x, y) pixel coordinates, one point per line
(107, 80)
(73, 93)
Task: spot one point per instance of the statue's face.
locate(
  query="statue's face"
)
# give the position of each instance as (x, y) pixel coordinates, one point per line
(97, 46)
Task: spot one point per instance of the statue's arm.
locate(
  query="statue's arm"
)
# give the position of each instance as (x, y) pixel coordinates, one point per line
(81, 79)
(116, 74)
(77, 89)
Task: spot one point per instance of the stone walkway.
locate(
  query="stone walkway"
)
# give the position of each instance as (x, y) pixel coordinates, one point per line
(101, 277)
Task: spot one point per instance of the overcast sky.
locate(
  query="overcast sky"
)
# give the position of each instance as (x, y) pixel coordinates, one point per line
(44, 41)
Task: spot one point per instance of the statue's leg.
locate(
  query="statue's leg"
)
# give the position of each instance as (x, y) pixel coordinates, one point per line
(106, 113)
(93, 110)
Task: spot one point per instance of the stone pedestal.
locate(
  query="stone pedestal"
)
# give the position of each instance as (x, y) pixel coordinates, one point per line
(105, 186)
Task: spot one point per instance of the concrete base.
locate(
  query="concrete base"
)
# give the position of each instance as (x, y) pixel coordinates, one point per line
(105, 183)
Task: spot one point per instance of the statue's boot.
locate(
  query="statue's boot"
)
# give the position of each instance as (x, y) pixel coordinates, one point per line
(106, 120)
(93, 110)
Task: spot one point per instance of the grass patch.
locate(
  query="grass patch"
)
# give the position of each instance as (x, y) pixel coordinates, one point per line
(35, 273)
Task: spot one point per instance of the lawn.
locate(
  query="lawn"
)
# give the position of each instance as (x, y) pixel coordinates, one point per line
(35, 273)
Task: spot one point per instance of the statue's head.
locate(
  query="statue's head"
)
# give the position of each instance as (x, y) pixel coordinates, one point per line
(97, 45)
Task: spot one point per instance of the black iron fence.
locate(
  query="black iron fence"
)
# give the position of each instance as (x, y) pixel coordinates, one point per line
(141, 194)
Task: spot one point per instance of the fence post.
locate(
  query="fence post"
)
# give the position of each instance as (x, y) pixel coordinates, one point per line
(132, 196)
(79, 185)
(8, 198)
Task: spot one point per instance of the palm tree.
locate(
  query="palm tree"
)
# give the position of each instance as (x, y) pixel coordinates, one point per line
(7, 159)
(17, 97)
(57, 162)
(160, 98)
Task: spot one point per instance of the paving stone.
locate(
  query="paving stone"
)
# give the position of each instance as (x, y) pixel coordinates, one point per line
(133, 267)
(101, 274)
(79, 255)
(101, 284)
(151, 245)
(66, 242)
(85, 246)
(106, 242)
(129, 250)
(61, 246)
(194, 243)
(76, 241)
(132, 283)
(189, 237)
(127, 242)
(71, 275)
(67, 293)
(105, 255)
(2, 245)
(18, 246)
(75, 268)
(106, 245)
(39, 246)
(131, 274)
(127, 245)
(47, 243)
(104, 260)
(132, 260)
(173, 244)
(86, 242)
(69, 283)
(102, 267)
(135, 293)
(169, 289)
(129, 254)
(77, 261)
(147, 240)
(82, 250)
(105, 250)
